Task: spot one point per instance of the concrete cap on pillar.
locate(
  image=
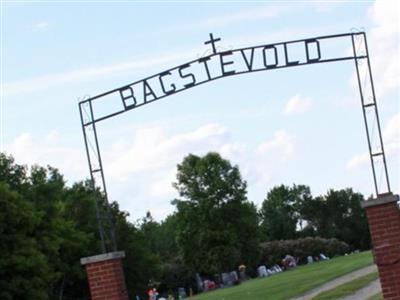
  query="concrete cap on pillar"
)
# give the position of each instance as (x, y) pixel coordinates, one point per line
(102, 257)
(381, 199)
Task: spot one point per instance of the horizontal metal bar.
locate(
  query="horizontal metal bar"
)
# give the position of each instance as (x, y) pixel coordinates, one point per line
(377, 154)
(369, 104)
(212, 79)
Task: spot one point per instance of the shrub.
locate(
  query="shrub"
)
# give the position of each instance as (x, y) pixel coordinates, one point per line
(273, 252)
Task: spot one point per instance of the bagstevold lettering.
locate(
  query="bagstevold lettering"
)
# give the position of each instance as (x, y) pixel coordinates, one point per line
(228, 63)
(221, 63)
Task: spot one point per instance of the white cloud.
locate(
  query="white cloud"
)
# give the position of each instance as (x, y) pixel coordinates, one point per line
(48, 150)
(384, 44)
(282, 145)
(298, 105)
(391, 139)
(253, 14)
(391, 133)
(25, 86)
(327, 6)
(140, 171)
(41, 25)
(163, 186)
(86, 74)
(145, 166)
(152, 148)
(259, 12)
(357, 161)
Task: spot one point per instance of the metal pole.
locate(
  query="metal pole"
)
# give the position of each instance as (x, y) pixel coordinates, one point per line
(365, 117)
(93, 185)
(376, 114)
(108, 212)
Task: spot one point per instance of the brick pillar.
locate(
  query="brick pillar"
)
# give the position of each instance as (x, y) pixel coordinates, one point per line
(384, 224)
(106, 276)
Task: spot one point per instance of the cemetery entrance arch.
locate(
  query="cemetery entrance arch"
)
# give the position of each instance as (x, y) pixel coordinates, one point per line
(220, 64)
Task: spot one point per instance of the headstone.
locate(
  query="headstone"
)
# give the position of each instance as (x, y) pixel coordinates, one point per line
(199, 283)
(310, 260)
(262, 271)
(234, 277)
(205, 284)
(276, 269)
(323, 257)
(242, 275)
(226, 279)
(182, 293)
(217, 279)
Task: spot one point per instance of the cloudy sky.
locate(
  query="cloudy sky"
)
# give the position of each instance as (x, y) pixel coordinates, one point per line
(298, 125)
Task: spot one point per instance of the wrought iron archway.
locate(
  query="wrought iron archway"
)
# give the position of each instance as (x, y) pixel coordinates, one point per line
(253, 59)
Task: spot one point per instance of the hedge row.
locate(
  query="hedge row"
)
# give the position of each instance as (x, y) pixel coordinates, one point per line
(273, 252)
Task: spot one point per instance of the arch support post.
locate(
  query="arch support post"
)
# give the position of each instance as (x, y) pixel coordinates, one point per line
(384, 223)
(106, 276)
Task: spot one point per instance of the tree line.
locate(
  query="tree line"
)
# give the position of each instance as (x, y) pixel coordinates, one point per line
(47, 226)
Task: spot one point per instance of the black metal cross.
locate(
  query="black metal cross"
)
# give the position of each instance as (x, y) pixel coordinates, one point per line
(212, 42)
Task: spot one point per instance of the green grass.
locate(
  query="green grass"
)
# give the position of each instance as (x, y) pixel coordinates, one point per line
(291, 283)
(378, 296)
(347, 288)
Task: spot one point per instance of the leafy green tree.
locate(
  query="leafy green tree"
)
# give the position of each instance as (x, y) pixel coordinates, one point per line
(24, 270)
(46, 227)
(160, 237)
(281, 212)
(167, 236)
(217, 225)
(13, 174)
(339, 214)
(141, 265)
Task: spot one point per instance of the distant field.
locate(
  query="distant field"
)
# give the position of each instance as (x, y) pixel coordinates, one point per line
(291, 283)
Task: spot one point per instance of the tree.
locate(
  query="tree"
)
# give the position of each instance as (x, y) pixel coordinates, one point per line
(46, 227)
(217, 225)
(141, 265)
(160, 237)
(24, 270)
(339, 214)
(281, 212)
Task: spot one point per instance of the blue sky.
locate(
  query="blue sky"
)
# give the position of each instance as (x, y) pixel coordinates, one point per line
(298, 125)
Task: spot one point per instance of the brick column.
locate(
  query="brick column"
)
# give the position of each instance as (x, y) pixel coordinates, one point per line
(106, 276)
(384, 224)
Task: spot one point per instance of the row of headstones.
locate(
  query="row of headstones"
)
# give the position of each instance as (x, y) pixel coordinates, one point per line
(263, 271)
(225, 280)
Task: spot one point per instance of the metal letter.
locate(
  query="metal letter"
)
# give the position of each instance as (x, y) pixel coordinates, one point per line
(187, 75)
(248, 64)
(289, 63)
(307, 42)
(129, 96)
(146, 93)
(225, 63)
(162, 84)
(204, 60)
(265, 57)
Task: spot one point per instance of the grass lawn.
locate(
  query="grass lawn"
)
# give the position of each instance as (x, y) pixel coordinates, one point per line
(347, 288)
(291, 283)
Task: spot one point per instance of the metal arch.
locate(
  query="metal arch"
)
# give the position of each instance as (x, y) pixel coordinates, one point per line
(366, 89)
